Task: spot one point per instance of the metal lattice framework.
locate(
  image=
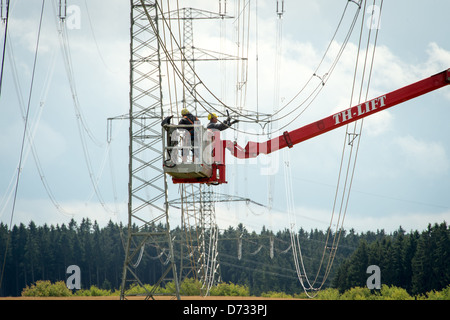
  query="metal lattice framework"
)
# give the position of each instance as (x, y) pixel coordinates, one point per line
(148, 213)
(148, 207)
(197, 213)
(200, 233)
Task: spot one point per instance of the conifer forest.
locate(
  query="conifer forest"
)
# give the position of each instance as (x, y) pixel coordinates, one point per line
(418, 261)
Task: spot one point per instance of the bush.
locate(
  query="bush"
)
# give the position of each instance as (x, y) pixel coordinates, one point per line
(191, 287)
(394, 293)
(94, 292)
(357, 293)
(328, 294)
(230, 289)
(274, 294)
(437, 295)
(136, 289)
(46, 289)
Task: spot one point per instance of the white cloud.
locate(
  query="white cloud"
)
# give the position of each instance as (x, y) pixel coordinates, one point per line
(378, 123)
(318, 218)
(50, 143)
(391, 72)
(43, 211)
(422, 157)
(409, 222)
(438, 60)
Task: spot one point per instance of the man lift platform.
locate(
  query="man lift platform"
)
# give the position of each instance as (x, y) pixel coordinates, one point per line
(207, 163)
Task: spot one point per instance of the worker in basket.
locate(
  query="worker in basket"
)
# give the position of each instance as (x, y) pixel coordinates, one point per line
(214, 123)
(189, 120)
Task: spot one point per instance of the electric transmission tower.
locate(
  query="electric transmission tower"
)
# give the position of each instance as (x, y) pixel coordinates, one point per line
(148, 211)
(199, 241)
(148, 205)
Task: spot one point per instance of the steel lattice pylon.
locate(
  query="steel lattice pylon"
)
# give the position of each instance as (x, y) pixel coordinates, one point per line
(198, 243)
(190, 209)
(148, 206)
(208, 240)
(148, 214)
(198, 211)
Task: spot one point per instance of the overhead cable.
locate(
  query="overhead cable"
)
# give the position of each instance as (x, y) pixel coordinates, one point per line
(24, 135)
(5, 20)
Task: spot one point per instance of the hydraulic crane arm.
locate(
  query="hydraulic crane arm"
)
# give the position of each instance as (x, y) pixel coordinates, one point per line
(290, 138)
(208, 163)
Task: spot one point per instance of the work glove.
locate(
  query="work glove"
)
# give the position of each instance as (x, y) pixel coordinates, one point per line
(166, 120)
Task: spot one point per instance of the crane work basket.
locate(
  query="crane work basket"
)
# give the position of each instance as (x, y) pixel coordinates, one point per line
(193, 154)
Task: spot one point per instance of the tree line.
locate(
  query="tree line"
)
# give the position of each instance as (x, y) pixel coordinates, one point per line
(418, 262)
(44, 253)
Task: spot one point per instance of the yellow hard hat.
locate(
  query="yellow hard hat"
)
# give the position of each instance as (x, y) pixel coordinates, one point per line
(212, 115)
(184, 112)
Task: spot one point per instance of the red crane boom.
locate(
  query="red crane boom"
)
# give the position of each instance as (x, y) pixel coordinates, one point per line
(210, 168)
(290, 138)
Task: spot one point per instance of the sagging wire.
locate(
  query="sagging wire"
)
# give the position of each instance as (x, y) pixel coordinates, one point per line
(5, 20)
(210, 107)
(362, 122)
(19, 169)
(345, 194)
(82, 126)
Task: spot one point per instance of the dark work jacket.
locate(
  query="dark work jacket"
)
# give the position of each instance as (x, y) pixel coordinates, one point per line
(189, 119)
(218, 126)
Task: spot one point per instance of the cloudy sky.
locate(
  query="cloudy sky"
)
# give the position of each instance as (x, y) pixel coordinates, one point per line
(71, 170)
